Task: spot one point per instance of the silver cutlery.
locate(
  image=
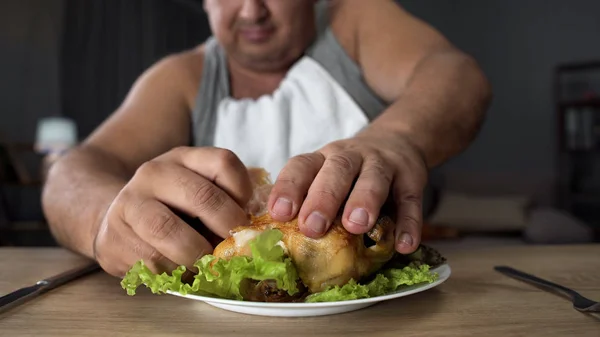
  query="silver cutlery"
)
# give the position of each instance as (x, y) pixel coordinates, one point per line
(580, 303)
(19, 296)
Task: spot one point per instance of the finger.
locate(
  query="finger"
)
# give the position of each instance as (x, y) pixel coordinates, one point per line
(368, 196)
(118, 248)
(292, 185)
(410, 218)
(157, 225)
(220, 166)
(327, 193)
(186, 191)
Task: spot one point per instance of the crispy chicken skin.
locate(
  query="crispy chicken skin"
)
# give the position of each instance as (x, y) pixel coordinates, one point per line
(332, 260)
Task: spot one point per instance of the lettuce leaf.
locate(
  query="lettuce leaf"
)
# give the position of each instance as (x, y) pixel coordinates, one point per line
(224, 278)
(384, 282)
(220, 277)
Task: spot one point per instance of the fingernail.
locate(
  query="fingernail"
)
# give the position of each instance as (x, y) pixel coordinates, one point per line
(360, 217)
(316, 223)
(406, 239)
(282, 207)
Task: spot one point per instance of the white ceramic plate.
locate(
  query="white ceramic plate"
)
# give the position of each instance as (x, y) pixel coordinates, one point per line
(315, 309)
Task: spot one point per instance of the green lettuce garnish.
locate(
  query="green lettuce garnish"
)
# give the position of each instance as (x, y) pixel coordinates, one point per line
(224, 278)
(387, 281)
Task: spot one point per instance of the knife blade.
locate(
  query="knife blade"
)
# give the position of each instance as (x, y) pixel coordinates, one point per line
(21, 295)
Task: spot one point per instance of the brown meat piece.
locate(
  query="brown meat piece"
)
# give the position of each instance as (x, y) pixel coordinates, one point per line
(267, 291)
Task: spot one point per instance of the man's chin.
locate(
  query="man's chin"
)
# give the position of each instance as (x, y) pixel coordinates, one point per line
(264, 57)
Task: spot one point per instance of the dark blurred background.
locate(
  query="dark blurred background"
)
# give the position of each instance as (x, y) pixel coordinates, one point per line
(531, 177)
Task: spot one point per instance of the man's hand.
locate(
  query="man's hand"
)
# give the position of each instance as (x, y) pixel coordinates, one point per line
(208, 183)
(363, 169)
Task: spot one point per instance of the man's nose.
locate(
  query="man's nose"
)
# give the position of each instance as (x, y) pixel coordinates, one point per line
(253, 10)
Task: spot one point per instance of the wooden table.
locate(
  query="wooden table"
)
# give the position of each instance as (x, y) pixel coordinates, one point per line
(475, 300)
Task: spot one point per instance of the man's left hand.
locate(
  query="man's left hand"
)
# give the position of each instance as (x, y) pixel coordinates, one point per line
(362, 171)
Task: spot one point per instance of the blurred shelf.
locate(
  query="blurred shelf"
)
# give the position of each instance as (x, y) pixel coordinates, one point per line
(594, 103)
(575, 66)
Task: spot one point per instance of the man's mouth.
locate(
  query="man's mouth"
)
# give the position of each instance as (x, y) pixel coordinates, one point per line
(256, 34)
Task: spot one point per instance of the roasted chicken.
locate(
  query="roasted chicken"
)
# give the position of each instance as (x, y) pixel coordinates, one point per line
(331, 260)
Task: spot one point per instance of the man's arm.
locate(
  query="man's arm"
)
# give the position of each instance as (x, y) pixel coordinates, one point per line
(439, 95)
(153, 119)
(437, 98)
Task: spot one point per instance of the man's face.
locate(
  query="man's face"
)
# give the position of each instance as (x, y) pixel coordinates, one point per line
(262, 34)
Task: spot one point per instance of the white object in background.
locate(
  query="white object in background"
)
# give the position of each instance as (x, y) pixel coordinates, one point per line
(55, 135)
(315, 309)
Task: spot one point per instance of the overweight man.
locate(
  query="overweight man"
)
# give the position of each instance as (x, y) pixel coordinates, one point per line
(346, 103)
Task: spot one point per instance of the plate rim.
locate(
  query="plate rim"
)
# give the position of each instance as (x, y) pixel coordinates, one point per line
(301, 305)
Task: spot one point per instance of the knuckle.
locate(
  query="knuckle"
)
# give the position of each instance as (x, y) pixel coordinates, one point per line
(102, 255)
(131, 209)
(226, 158)
(104, 238)
(148, 169)
(287, 184)
(371, 194)
(332, 148)
(287, 180)
(162, 225)
(412, 198)
(304, 160)
(378, 169)
(341, 162)
(327, 197)
(377, 165)
(207, 197)
(181, 154)
(180, 150)
(410, 221)
(126, 196)
(98, 248)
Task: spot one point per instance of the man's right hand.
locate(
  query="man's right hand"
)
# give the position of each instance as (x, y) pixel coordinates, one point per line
(208, 183)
